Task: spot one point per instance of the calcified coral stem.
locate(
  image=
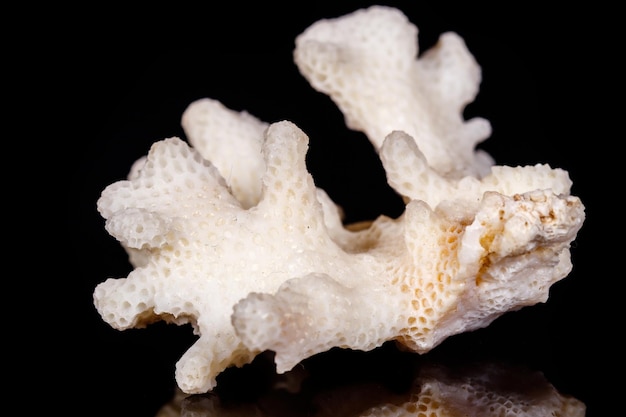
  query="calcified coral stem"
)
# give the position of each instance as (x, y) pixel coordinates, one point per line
(230, 234)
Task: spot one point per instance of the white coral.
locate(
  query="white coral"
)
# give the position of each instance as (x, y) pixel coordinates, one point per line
(232, 235)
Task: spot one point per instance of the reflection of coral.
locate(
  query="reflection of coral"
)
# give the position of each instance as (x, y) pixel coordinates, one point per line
(231, 234)
(433, 390)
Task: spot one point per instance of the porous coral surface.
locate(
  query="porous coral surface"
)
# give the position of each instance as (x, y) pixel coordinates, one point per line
(228, 232)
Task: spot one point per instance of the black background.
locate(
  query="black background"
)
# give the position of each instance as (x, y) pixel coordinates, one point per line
(127, 76)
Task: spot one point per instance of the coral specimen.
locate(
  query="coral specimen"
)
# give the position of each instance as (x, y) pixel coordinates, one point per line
(229, 233)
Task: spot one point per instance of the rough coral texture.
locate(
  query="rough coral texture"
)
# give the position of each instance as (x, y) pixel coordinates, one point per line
(229, 233)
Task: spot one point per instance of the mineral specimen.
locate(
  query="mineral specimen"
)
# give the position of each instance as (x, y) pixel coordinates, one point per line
(229, 233)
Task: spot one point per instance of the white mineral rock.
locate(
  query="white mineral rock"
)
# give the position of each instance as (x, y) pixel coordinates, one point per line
(229, 233)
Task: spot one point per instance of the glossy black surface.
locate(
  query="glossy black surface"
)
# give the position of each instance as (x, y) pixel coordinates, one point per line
(139, 79)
